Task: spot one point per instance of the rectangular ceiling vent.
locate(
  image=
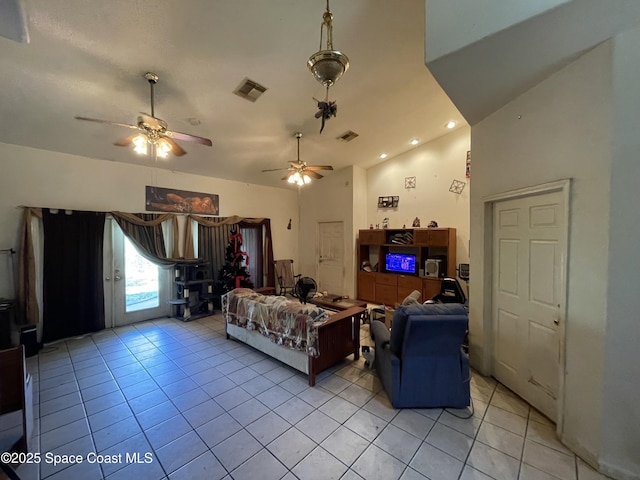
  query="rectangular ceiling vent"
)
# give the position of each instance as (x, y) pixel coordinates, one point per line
(249, 90)
(347, 136)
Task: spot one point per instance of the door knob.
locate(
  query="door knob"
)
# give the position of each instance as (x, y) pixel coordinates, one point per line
(107, 279)
(117, 277)
(556, 321)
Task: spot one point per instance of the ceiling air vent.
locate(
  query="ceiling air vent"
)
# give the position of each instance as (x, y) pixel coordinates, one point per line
(347, 136)
(249, 90)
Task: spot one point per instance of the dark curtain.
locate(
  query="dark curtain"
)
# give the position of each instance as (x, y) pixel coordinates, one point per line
(212, 244)
(73, 293)
(213, 237)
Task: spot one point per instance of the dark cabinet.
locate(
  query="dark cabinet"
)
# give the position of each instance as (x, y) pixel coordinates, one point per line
(193, 290)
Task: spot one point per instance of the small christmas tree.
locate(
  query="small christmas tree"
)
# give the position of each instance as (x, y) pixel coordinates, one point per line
(234, 274)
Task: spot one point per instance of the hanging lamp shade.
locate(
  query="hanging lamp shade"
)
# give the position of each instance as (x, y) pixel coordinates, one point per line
(327, 65)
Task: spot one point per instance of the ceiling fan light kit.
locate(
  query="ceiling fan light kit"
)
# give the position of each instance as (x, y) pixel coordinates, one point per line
(299, 172)
(154, 133)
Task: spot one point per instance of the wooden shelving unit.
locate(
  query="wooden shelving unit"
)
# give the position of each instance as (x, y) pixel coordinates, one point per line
(389, 288)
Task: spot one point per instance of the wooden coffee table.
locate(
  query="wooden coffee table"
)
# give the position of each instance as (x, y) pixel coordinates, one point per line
(336, 302)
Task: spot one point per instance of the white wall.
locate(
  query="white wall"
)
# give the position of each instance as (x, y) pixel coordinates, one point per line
(559, 129)
(351, 195)
(621, 392)
(327, 200)
(39, 178)
(359, 213)
(435, 165)
(473, 21)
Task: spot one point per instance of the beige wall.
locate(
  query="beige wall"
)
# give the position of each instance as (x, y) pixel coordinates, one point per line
(621, 390)
(47, 179)
(327, 200)
(351, 195)
(435, 165)
(558, 130)
(474, 21)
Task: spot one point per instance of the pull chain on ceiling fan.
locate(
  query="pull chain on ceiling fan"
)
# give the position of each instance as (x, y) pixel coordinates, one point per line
(153, 131)
(299, 172)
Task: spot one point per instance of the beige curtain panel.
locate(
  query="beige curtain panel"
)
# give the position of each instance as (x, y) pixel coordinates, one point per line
(145, 232)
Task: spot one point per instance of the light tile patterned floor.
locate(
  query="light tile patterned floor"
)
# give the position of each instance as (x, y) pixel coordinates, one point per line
(197, 406)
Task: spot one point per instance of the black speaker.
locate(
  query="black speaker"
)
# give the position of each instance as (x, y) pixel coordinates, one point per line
(29, 338)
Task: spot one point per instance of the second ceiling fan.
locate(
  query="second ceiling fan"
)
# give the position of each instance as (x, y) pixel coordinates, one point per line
(299, 172)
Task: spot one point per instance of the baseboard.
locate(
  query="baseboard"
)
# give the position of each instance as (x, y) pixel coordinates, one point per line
(588, 457)
(591, 459)
(618, 473)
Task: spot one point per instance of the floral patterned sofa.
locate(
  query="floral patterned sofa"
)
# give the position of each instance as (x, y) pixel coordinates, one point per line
(303, 336)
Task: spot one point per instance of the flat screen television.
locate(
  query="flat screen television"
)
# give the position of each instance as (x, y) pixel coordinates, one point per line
(400, 263)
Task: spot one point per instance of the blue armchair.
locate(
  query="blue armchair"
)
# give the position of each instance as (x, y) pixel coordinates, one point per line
(421, 362)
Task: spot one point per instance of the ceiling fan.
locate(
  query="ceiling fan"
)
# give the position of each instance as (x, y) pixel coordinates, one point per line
(153, 131)
(299, 172)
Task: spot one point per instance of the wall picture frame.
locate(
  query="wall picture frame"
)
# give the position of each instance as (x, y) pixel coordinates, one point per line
(390, 201)
(160, 199)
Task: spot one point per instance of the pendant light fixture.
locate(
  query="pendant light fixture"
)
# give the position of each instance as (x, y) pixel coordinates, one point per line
(328, 65)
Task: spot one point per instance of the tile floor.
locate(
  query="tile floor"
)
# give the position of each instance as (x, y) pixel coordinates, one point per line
(188, 404)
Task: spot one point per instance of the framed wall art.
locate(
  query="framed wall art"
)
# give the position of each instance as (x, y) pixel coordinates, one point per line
(181, 201)
(388, 202)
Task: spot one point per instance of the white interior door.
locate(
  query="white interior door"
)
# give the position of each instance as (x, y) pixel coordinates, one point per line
(331, 257)
(529, 250)
(135, 289)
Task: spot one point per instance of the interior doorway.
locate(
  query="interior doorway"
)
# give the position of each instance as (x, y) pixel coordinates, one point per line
(135, 289)
(528, 294)
(331, 257)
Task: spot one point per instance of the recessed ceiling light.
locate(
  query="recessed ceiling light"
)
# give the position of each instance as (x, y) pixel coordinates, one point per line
(450, 124)
(383, 155)
(415, 141)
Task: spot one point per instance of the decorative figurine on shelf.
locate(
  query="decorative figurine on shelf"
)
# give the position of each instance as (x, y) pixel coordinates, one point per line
(371, 227)
(377, 225)
(385, 222)
(404, 225)
(416, 222)
(432, 224)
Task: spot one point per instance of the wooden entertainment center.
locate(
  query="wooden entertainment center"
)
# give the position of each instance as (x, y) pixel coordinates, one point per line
(389, 288)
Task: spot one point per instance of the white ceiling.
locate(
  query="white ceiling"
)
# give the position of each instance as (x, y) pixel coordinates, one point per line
(88, 58)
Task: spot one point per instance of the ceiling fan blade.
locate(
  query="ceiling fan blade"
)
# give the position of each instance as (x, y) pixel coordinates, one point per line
(274, 169)
(313, 174)
(189, 138)
(106, 122)
(126, 141)
(176, 149)
(319, 167)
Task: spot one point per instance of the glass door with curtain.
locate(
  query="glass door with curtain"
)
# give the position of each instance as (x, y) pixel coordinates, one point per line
(135, 289)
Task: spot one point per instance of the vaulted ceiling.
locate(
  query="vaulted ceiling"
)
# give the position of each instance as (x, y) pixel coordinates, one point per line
(89, 57)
